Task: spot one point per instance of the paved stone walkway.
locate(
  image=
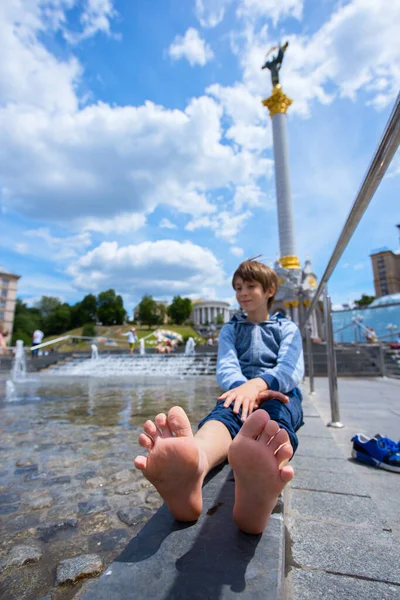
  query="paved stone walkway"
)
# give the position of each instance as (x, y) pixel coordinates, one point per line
(336, 542)
(340, 542)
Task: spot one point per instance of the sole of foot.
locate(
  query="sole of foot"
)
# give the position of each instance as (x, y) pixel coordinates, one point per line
(175, 465)
(258, 457)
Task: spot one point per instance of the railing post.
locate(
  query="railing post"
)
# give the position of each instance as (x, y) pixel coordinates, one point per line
(332, 373)
(382, 360)
(310, 359)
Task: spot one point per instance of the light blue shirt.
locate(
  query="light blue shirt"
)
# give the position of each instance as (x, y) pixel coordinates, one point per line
(272, 350)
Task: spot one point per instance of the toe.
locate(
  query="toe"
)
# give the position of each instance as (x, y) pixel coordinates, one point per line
(145, 441)
(161, 422)
(269, 431)
(281, 437)
(254, 425)
(140, 462)
(179, 423)
(287, 474)
(284, 454)
(151, 429)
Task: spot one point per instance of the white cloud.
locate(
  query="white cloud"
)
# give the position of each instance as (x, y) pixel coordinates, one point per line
(255, 9)
(123, 223)
(192, 47)
(99, 162)
(167, 224)
(57, 248)
(249, 122)
(224, 224)
(162, 267)
(211, 12)
(249, 195)
(351, 52)
(236, 251)
(96, 17)
(29, 74)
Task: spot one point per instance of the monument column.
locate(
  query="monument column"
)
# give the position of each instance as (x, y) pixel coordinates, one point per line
(277, 104)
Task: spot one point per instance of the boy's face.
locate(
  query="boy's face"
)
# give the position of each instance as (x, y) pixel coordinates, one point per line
(250, 294)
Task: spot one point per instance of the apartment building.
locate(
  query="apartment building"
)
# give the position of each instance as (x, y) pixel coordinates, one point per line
(8, 299)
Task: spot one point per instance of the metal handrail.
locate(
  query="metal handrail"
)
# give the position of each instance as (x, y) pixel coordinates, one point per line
(383, 156)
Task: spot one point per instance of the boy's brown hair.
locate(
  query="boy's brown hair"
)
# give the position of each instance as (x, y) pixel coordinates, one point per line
(252, 270)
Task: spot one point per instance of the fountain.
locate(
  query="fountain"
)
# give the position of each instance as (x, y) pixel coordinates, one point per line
(18, 369)
(95, 352)
(189, 348)
(142, 346)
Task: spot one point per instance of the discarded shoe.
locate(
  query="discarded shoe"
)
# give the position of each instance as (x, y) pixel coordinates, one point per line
(380, 452)
(379, 435)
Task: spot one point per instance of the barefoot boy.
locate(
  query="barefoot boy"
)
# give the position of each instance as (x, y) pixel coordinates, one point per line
(260, 359)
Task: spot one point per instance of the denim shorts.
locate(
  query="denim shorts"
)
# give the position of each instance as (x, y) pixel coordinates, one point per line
(288, 416)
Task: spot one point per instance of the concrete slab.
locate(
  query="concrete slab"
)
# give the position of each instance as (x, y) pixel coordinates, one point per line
(315, 428)
(208, 559)
(340, 483)
(325, 448)
(344, 549)
(313, 585)
(331, 465)
(323, 506)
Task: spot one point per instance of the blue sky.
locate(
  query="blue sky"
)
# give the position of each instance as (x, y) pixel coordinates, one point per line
(136, 153)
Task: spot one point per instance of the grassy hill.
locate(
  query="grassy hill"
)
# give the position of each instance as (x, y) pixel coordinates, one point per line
(114, 332)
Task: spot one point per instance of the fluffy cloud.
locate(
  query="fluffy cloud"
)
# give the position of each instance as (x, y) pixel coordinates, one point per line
(272, 9)
(99, 167)
(56, 248)
(192, 47)
(167, 224)
(101, 161)
(224, 224)
(318, 66)
(210, 12)
(236, 251)
(165, 267)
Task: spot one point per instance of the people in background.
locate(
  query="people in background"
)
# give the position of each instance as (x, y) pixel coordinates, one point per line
(3, 345)
(37, 338)
(132, 339)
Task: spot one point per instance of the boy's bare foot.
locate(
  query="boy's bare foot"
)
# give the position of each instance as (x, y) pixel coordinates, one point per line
(175, 464)
(256, 456)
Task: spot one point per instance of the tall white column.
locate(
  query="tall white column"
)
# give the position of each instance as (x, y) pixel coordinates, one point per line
(283, 189)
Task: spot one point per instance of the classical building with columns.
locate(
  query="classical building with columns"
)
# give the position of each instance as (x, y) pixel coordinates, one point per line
(207, 311)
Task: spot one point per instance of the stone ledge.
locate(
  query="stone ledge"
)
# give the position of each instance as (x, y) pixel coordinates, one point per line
(206, 559)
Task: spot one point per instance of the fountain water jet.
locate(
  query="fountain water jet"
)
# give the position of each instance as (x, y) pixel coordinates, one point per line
(189, 348)
(95, 352)
(142, 346)
(18, 369)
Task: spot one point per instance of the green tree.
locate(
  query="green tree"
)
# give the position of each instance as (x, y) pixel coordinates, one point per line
(26, 320)
(110, 308)
(365, 300)
(46, 305)
(89, 330)
(148, 311)
(84, 312)
(220, 319)
(59, 320)
(180, 309)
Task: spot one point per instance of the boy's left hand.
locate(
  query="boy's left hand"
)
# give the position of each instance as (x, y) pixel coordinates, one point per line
(244, 396)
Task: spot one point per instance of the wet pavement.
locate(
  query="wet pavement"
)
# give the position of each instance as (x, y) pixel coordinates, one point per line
(68, 489)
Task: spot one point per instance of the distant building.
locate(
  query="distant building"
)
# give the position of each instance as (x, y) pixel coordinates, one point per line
(386, 269)
(210, 311)
(8, 299)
